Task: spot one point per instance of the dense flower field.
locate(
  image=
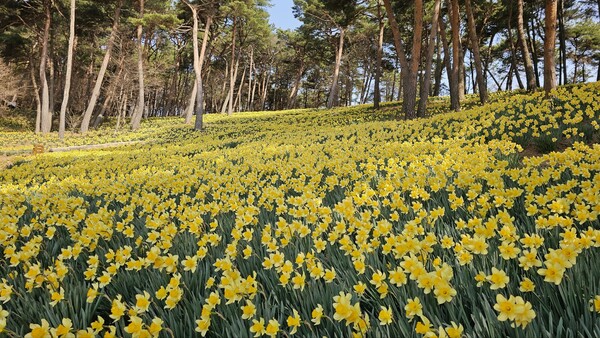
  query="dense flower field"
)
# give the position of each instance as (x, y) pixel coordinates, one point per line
(315, 223)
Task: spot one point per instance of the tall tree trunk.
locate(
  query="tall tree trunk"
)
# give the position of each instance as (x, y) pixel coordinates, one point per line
(198, 91)
(562, 41)
(472, 75)
(426, 85)
(529, 70)
(85, 123)
(137, 116)
(452, 76)
(294, 92)
(334, 91)
(233, 79)
(483, 95)
(462, 73)
(377, 90)
(110, 93)
(549, 46)
(533, 45)
(199, 124)
(509, 77)
(238, 98)
(365, 83)
(189, 110)
(409, 72)
(254, 85)
(456, 50)
(46, 114)
(439, 67)
(266, 83)
(250, 75)
(513, 50)
(410, 84)
(51, 76)
(233, 72)
(67, 89)
(38, 101)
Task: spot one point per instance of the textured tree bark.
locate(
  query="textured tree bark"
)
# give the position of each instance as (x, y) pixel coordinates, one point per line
(452, 76)
(334, 91)
(426, 85)
(483, 94)
(67, 89)
(549, 46)
(377, 89)
(199, 123)
(45, 114)
(233, 72)
(294, 92)
(456, 50)
(439, 68)
(408, 72)
(458, 64)
(234, 76)
(137, 116)
(36, 91)
(189, 110)
(85, 123)
(51, 76)
(410, 84)
(529, 71)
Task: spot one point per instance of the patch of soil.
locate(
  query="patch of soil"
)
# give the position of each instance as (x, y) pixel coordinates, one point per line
(5, 161)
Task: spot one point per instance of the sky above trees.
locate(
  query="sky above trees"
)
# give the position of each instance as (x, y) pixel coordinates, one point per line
(281, 14)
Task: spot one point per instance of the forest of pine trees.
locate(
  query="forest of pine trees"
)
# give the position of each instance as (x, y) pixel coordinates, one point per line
(75, 63)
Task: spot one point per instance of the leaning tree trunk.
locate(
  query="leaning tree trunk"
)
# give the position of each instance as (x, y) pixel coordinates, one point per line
(85, 123)
(199, 125)
(189, 110)
(377, 90)
(549, 46)
(250, 74)
(137, 116)
(237, 105)
(455, 28)
(233, 72)
(529, 71)
(334, 92)
(483, 95)
(297, 82)
(426, 86)
(452, 81)
(45, 114)
(67, 89)
(36, 94)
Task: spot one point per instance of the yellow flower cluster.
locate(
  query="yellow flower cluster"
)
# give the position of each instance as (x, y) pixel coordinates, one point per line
(311, 223)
